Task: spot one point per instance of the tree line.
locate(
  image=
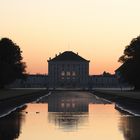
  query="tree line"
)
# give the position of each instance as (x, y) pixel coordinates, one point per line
(11, 65)
(130, 68)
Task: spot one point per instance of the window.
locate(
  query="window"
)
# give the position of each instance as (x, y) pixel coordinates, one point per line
(73, 73)
(62, 73)
(68, 73)
(62, 105)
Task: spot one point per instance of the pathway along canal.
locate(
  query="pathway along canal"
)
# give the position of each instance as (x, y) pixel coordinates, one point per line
(69, 116)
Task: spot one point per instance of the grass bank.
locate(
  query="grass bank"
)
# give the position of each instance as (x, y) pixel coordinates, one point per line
(14, 93)
(115, 94)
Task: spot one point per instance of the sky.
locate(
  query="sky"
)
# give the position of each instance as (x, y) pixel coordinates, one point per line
(98, 30)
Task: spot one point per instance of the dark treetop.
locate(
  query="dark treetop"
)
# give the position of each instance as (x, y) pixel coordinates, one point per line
(130, 69)
(11, 65)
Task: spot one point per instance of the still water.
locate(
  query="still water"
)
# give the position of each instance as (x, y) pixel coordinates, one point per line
(69, 116)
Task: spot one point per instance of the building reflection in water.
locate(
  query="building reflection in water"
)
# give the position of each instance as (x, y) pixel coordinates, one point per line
(130, 127)
(10, 126)
(66, 110)
(62, 103)
(70, 110)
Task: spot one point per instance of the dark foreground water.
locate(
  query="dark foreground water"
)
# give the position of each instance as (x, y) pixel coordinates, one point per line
(69, 116)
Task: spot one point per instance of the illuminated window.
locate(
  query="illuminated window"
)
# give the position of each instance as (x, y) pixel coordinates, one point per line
(62, 73)
(62, 105)
(73, 73)
(67, 105)
(73, 105)
(68, 73)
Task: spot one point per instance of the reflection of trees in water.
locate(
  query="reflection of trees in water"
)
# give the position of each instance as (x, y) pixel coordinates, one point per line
(130, 127)
(10, 126)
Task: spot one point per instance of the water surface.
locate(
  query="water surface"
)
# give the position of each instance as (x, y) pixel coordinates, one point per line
(69, 116)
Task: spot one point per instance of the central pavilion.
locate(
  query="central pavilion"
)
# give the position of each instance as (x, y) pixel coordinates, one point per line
(68, 69)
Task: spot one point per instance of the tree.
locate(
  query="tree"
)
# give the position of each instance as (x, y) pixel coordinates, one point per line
(106, 73)
(11, 65)
(130, 69)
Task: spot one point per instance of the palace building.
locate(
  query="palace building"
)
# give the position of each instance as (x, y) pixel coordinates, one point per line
(68, 69)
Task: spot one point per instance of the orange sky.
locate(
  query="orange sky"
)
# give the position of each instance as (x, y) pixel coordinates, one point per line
(99, 30)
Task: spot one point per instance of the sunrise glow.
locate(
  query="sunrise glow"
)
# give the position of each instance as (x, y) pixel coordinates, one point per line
(98, 30)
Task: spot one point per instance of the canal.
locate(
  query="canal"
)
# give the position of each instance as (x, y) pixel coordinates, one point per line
(69, 116)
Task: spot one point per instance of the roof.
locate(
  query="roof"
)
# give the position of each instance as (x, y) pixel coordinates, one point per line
(68, 56)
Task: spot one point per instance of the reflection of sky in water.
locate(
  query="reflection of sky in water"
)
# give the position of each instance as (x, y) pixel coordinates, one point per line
(74, 117)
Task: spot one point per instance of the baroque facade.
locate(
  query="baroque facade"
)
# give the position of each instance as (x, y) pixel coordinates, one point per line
(68, 70)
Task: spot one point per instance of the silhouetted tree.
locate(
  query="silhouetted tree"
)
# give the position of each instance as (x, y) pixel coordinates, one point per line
(11, 65)
(130, 70)
(106, 73)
